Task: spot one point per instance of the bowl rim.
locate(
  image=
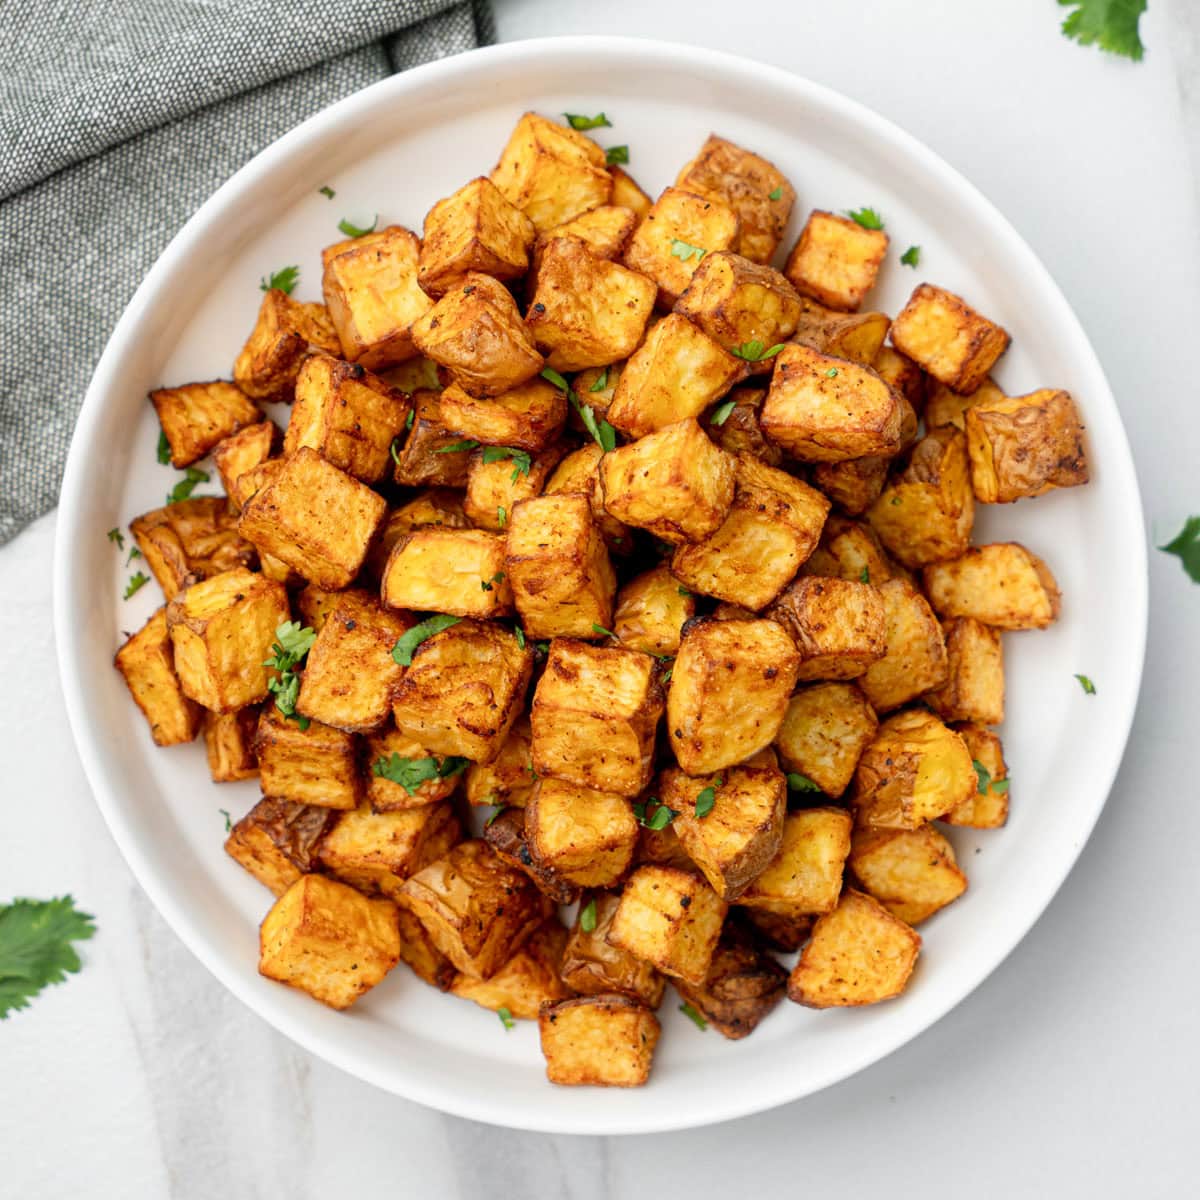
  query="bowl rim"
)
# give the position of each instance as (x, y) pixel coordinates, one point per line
(73, 514)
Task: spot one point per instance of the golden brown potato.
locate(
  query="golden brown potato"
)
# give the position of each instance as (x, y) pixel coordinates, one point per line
(604, 231)
(914, 770)
(661, 847)
(502, 476)
(586, 311)
(944, 335)
(593, 966)
(974, 687)
(250, 447)
(371, 291)
(780, 931)
(413, 375)
(403, 774)
(856, 337)
(147, 665)
(284, 333)
(652, 609)
(418, 952)
(594, 716)
(835, 260)
(505, 832)
(849, 550)
(580, 472)
(196, 416)
(251, 481)
(475, 230)
(229, 744)
(823, 733)
(805, 876)
(436, 506)
(948, 407)
(1002, 585)
(221, 630)
(987, 806)
(628, 194)
(277, 841)
(509, 778)
(826, 409)
(915, 659)
(464, 689)
(772, 527)
(527, 981)
(1025, 445)
(729, 691)
(562, 580)
(432, 455)
(737, 430)
(837, 625)
(904, 375)
(859, 954)
(191, 540)
(314, 765)
(911, 872)
(314, 518)
(853, 484)
(598, 1041)
(582, 835)
(457, 571)
(529, 417)
(315, 605)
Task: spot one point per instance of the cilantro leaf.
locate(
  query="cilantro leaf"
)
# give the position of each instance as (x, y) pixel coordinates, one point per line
(832, 373)
(164, 448)
(721, 414)
(1186, 544)
(587, 916)
(456, 447)
(228, 821)
(684, 250)
(755, 351)
(616, 154)
(402, 651)
(506, 1017)
(187, 485)
(800, 783)
(354, 231)
(408, 421)
(410, 773)
(520, 459)
(602, 432)
(35, 947)
(292, 642)
(708, 798)
(868, 218)
(327, 192)
(1112, 25)
(911, 257)
(864, 576)
(694, 1016)
(134, 552)
(283, 280)
(576, 121)
(394, 452)
(1088, 686)
(117, 538)
(775, 194)
(136, 583)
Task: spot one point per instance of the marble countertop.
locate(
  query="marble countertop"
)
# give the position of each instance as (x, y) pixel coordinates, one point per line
(1070, 1072)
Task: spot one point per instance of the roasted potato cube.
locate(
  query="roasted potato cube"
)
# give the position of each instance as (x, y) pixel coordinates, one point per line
(285, 331)
(551, 173)
(674, 483)
(651, 610)
(1003, 585)
(347, 415)
(837, 625)
(744, 984)
(753, 187)
(911, 872)
(505, 832)
(147, 665)
(661, 846)
(1025, 445)
(598, 1041)
(229, 744)
(915, 659)
(413, 375)
(586, 311)
(849, 550)
(853, 484)
(252, 481)
(580, 472)
(475, 331)
(676, 373)
(562, 580)
(437, 506)
(604, 231)
(944, 335)
(772, 527)
(529, 417)
(904, 375)
(675, 236)
(500, 477)
(191, 540)
(432, 456)
(527, 981)
(403, 774)
(914, 770)
(729, 690)
(463, 691)
(458, 571)
(315, 518)
(744, 305)
(315, 605)
(196, 416)
(477, 909)
(582, 835)
(859, 954)
(734, 841)
(509, 778)
(418, 952)
(974, 687)
(780, 931)
(627, 194)
(593, 966)
(856, 337)
(221, 629)
(315, 765)
(824, 731)
(737, 430)
(987, 806)
(836, 261)
(277, 841)
(371, 291)
(476, 230)
(250, 447)
(947, 407)
(595, 713)
(826, 409)
(350, 674)
(805, 876)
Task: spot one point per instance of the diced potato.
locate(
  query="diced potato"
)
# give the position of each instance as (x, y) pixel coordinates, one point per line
(196, 416)
(948, 407)
(738, 302)
(277, 841)
(551, 173)
(628, 194)
(780, 931)
(741, 834)
(417, 374)
(824, 731)
(509, 778)
(676, 235)
(772, 527)
(837, 625)
(944, 335)
(593, 966)
(584, 836)
(805, 876)
(661, 847)
(251, 481)
(904, 375)
(987, 806)
(229, 744)
(826, 409)
(856, 337)
(147, 665)
(222, 629)
(457, 571)
(505, 832)
(474, 230)
(911, 872)
(729, 691)
(562, 580)
(853, 484)
(754, 188)
(849, 550)
(463, 691)
(315, 605)
(737, 430)
(586, 311)
(529, 417)
(527, 981)
(329, 940)
(433, 456)
(385, 794)
(284, 333)
(418, 952)
(315, 765)
(651, 611)
(859, 954)
(598, 1041)
(495, 487)
(580, 472)
(314, 518)
(836, 261)
(974, 687)
(478, 910)
(191, 540)
(915, 659)
(372, 293)
(914, 770)
(595, 713)
(604, 231)
(1003, 585)
(250, 447)
(436, 506)
(347, 415)
(670, 919)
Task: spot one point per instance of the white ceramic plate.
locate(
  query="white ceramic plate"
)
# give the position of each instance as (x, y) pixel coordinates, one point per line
(393, 150)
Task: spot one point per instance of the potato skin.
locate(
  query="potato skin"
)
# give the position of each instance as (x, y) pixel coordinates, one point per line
(278, 841)
(283, 334)
(593, 966)
(528, 417)
(229, 744)
(837, 625)
(427, 458)
(527, 982)
(505, 834)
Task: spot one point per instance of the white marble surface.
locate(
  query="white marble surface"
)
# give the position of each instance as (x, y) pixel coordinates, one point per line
(1069, 1073)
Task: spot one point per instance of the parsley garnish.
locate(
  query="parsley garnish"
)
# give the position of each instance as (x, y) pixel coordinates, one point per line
(1186, 544)
(616, 154)
(832, 373)
(410, 773)
(394, 452)
(498, 810)
(1110, 24)
(187, 485)
(800, 783)
(694, 1016)
(685, 250)
(486, 584)
(868, 218)
(601, 382)
(600, 629)
(164, 448)
(35, 947)
(136, 583)
(587, 916)
(115, 536)
(864, 576)
(519, 634)
(283, 280)
(667, 677)
(501, 516)
(755, 351)
(707, 798)
(402, 651)
(408, 421)
(327, 192)
(603, 433)
(455, 447)
(506, 1017)
(228, 823)
(911, 257)
(721, 415)
(292, 642)
(353, 231)
(1088, 686)
(520, 459)
(895, 502)
(599, 121)
(550, 375)
(660, 819)
(775, 194)
(996, 787)
(682, 591)
(134, 552)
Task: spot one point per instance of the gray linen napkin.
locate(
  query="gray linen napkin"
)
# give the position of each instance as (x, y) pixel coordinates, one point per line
(118, 118)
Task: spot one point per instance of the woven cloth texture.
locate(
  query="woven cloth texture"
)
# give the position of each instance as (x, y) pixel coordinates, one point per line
(118, 118)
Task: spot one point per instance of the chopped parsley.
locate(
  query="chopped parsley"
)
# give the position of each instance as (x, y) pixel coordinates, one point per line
(1186, 545)
(292, 643)
(582, 123)
(115, 536)
(495, 813)
(800, 783)
(1112, 25)
(410, 773)
(600, 629)
(486, 584)
(601, 382)
(864, 576)
(408, 421)
(832, 373)
(1088, 686)
(694, 1016)
(519, 634)
(228, 823)
(520, 459)
(681, 590)
(602, 432)
(393, 448)
(402, 651)
(684, 250)
(283, 280)
(354, 231)
(616, 154)
(136, 583)
(868, 218)
(501, 516)
(775, 194)
(164, 448)
(756, 351)
(456, 447)
(911, 257)
(708, 798)
(134, 552)
(327, 192)
(506, 1017)
(659, 819)
(986, 784)
(36, 949)
(587, 916)
(721, 415)
(187, 485)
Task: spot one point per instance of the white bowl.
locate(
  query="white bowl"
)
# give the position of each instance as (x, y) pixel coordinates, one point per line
(394, 149)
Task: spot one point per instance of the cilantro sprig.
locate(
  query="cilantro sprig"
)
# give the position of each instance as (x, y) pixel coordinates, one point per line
(685, 250)
(1186, 546)
(800, 783)
(520, 459)
(1089, 688)
(36, 948)
(458, 447)
(187, 485)
(136, 583)
(506, 1017)
(659, 819)
(327, 192)
(292, 643)
(616, 155)
(868, 218)
(410, 773)
(911, 257)
(117, 538)
(283, 280)
(581, 123)
(587, 916)
(164, 448)
(1110, 25)
(406, 644)
(756, 351)
(602, 432)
